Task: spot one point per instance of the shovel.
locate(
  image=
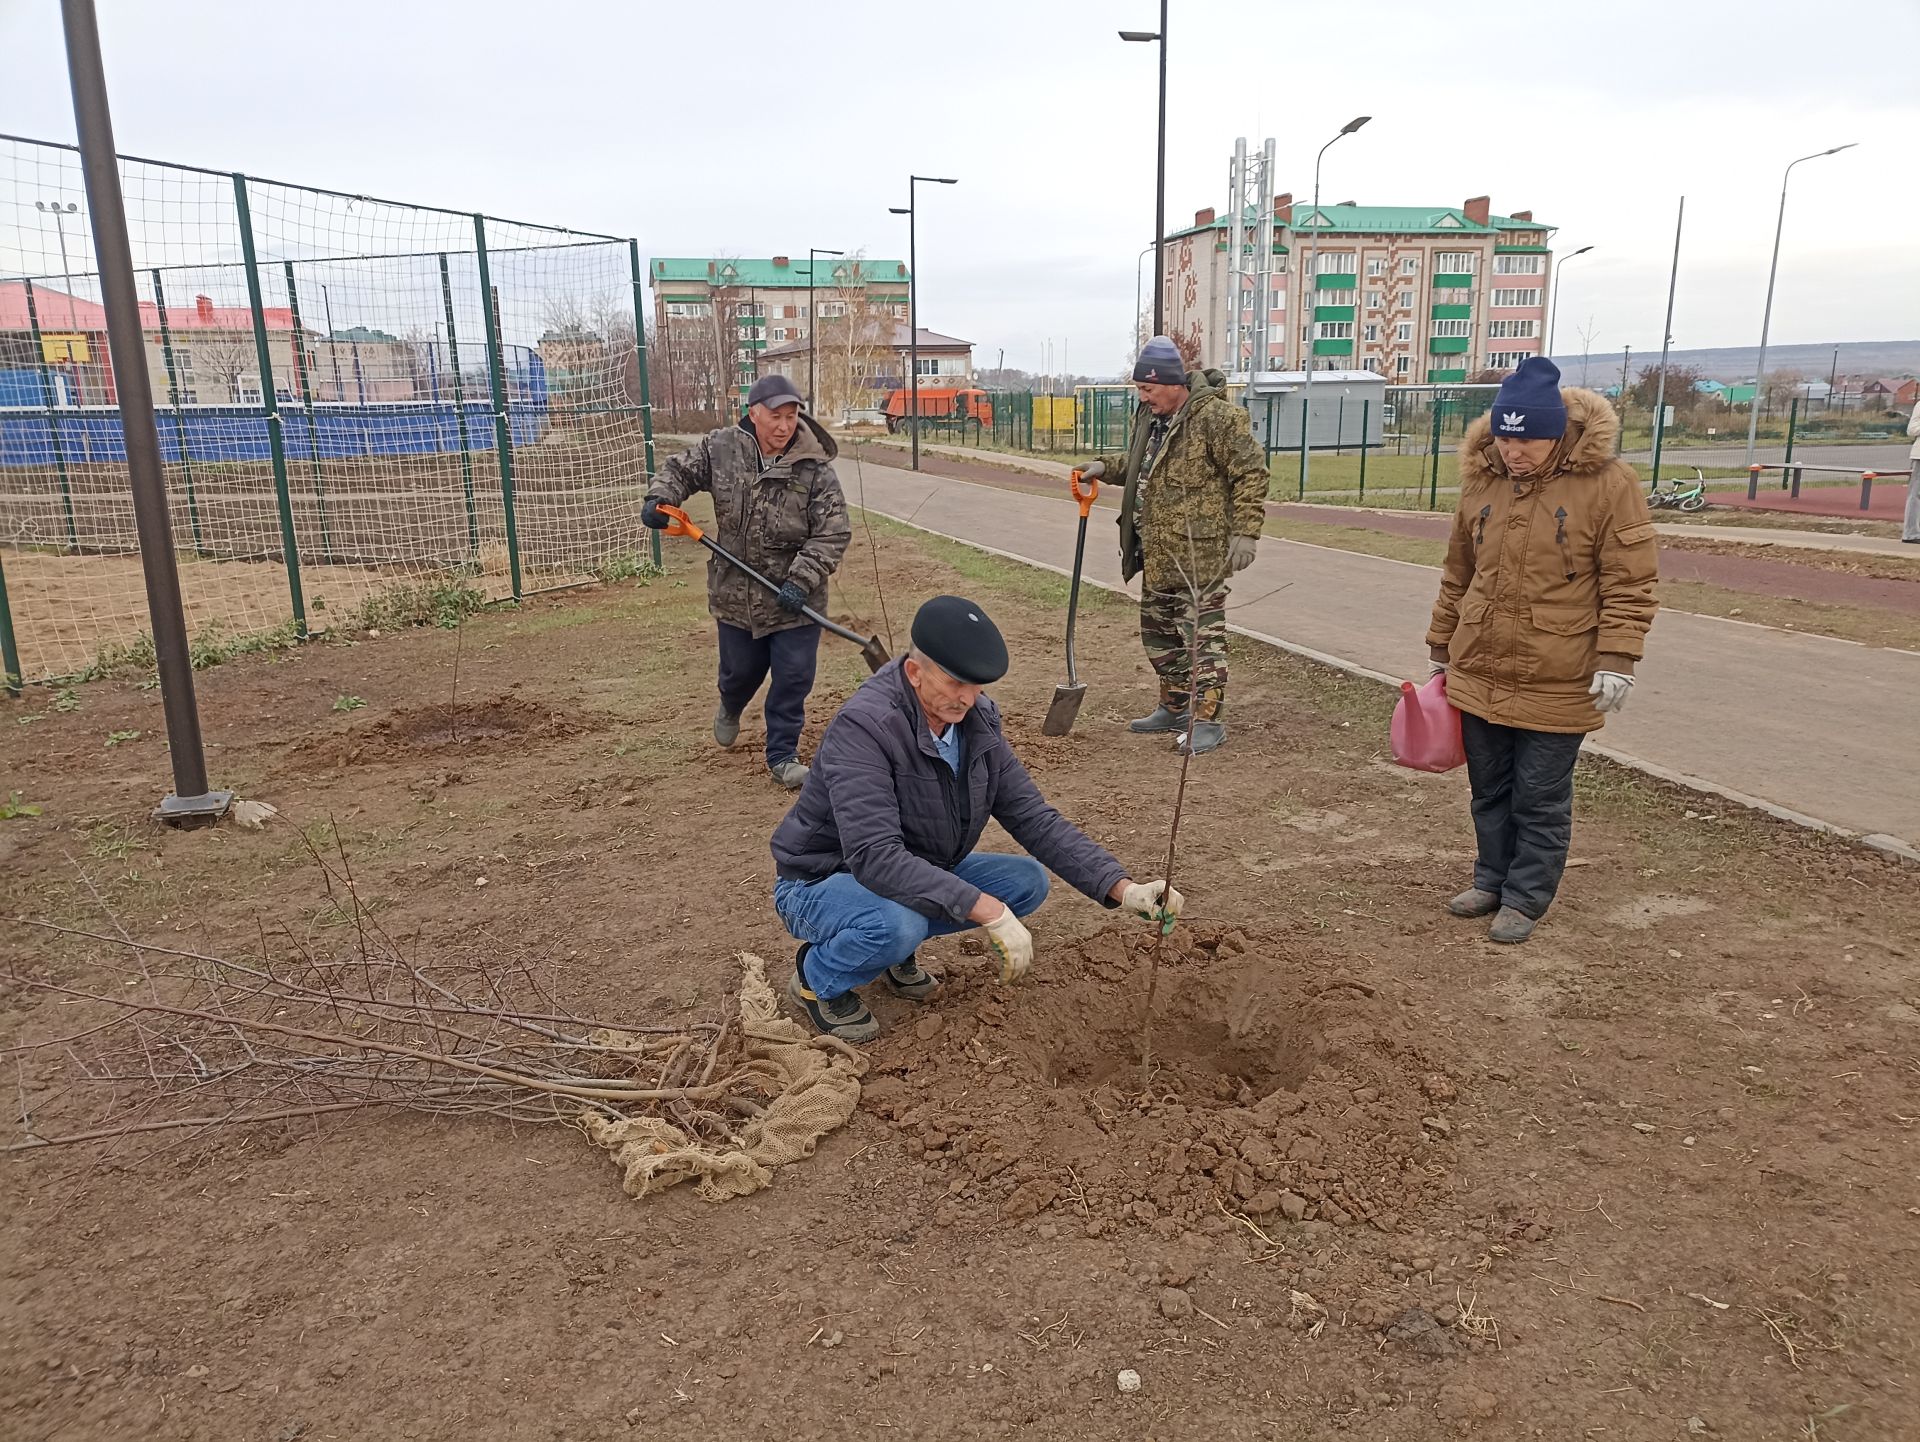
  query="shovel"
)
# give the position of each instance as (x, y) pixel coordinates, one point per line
(871, 650)
(1067, 698)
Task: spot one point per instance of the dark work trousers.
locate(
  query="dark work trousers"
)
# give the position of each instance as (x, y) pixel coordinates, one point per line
(744, 663)
(1522, 810)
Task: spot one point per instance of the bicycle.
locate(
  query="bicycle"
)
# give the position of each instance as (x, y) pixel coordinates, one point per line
(1678, 497)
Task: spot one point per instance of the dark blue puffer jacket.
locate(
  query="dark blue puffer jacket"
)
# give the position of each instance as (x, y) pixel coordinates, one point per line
(880, 803)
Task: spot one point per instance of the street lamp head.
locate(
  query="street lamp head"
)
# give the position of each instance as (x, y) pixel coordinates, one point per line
(1354, 124)
(56, 207)
(936, 180)
(899, 210)
(1140, 37)
(1838, 148)
(816, 250)
(1581, 251)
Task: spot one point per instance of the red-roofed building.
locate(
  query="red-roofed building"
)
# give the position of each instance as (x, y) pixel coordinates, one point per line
(215, 361)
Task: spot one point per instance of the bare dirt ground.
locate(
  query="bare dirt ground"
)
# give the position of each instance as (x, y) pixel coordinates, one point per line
(1651, 1176)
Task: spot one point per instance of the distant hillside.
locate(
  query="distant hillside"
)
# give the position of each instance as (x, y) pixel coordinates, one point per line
(1735, 363)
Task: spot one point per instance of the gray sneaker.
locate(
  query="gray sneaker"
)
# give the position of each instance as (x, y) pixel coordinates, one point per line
(1511, 927)
(726, 729)
(1475, 902)
(1161, 718)
(844, 1016)
(1201, 737)
(791, 773)
(910, 980)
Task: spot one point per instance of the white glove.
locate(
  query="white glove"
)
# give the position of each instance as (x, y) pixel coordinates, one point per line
(1240, 552)
(1012, 942)
(1609, 691)
(1142, 898)
(1436, 668)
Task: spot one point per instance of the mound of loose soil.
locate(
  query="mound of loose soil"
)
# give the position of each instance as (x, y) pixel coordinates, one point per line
(503, 723)
(1282, 1087)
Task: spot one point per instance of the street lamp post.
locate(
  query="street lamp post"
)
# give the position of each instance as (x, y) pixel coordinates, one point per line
(813, 316)
(913, 301)
(1136, 292)
(333, 346)
(1308, 284)
(1766, 317)
(59, 213)
(1553, 315)
(1142, 37)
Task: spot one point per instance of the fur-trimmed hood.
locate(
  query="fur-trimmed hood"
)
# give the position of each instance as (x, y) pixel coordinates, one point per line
(1586, 448)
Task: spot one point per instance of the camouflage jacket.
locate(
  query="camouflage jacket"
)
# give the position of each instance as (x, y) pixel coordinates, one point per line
(1207, 482)
(783, 515)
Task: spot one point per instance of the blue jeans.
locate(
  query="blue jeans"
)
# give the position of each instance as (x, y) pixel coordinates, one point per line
(744, 663)
(855, 935)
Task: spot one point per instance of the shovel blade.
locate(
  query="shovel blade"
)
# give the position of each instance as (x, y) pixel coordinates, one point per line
(1063, 711)
(874, 654)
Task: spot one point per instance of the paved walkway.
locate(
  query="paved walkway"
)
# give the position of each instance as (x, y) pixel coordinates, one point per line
(1823, 730)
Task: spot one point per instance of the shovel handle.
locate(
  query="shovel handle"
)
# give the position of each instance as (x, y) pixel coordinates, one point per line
(1091, 475)
(681, 524)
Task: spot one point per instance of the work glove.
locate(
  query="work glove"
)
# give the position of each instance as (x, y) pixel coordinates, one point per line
(1436, 661)
(1240, 552)
(1012, 943)
(791, 597)
(1144, 898)
(650, 515)
(1609, 691)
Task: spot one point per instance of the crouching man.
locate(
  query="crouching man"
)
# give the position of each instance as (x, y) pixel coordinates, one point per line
(877, 854)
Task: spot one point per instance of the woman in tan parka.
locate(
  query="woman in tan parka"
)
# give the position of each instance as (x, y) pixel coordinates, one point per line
(1545, 603)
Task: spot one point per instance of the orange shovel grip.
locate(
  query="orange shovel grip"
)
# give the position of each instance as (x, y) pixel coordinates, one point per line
(1085, 498)
(682, 525)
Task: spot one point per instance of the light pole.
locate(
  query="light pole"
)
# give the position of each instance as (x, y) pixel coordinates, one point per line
(59, 213)
(1553, 314)
(1766, 316)
(1308, 287)
(1137, 342)
(813, 316)
(333, 346)
(913, 301)
(1142, 37)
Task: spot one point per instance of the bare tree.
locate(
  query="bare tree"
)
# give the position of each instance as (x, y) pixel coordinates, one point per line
(224, 357)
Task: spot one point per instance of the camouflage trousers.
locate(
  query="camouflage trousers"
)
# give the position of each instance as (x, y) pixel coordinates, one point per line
(1168, 620)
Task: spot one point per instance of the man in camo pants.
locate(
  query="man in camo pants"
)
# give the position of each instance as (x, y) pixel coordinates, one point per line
(1190, 517)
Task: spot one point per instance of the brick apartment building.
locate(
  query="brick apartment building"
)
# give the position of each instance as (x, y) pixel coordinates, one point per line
(1416, 294)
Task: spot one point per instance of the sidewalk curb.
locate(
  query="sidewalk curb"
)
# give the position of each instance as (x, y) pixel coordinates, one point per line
(1891, 847)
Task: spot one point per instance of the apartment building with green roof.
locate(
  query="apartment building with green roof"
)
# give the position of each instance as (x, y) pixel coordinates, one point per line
(1418, 294)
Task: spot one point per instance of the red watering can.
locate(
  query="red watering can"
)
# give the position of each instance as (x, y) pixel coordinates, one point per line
(1426, 728)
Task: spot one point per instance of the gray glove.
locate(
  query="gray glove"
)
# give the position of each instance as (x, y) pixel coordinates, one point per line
(1240, 553)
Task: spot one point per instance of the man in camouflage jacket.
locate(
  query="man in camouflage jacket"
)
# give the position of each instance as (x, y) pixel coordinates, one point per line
(777, 506)
(1190, 516)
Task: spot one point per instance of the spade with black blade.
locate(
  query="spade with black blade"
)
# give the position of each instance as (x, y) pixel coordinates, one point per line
(1067, 698)
(871, 649)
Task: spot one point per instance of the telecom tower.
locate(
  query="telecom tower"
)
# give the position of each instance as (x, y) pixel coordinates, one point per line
(1250, 288)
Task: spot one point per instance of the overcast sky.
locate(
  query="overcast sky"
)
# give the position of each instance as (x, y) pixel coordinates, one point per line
(757, 128)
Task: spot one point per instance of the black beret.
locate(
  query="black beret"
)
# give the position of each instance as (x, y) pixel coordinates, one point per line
(957, 636)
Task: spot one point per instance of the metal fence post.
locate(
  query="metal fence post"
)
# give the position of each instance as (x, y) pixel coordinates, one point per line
(1304, 403)
(1793, 424)
(1433, 485)
(640, 351)
(270, 405)
(53, 417)
(9, 652)
(1340, 425)
(1365, 405)
(502, 426)
(300, 370)
(460, 412)
(179, 422)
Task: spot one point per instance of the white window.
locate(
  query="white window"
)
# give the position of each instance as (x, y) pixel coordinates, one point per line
(1377, 266)
(1336, 262)
(1517, 297)
(1506, 360)
(688, 308)
(832, 309)
(1516, 264)
(1454, 262)
(1409, 265)
(1402, 364)
(1510, 329)
(1403, 332)
(1279, 299)
(1453, 329)
(1373, 300)
(1333, 330)
(1406, 300)
(1371, 333)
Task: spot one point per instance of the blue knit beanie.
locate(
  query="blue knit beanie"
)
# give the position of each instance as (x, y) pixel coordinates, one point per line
(1160, 363)
(1528, 406)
